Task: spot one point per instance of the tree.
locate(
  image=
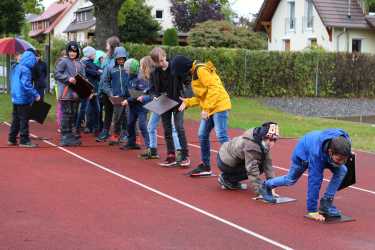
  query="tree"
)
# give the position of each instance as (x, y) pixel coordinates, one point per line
(189, 12)
(106, 19)
(170, 37)
(33, 6)
(136, 22)
(12, 16)
(225, 34)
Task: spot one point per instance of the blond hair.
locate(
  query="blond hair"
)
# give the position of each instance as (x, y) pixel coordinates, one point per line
(156, 53)
(147, 65)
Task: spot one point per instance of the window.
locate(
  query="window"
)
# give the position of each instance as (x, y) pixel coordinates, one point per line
(313, 43)
(309, 14)
(357, 45)
(159, 14)
(292, 15)
(287, 45)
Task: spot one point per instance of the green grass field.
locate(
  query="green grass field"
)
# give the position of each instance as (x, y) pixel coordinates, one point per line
(247, 113)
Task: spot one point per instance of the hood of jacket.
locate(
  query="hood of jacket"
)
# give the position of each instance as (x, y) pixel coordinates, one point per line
(28, 59)
(120, 52)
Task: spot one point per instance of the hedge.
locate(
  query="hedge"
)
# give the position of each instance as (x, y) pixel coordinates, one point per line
(263, 73)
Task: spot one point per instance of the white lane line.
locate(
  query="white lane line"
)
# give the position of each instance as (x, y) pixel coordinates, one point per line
(284, 169)
(185, 204)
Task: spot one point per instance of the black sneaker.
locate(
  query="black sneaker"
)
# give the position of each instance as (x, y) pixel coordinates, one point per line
(169, 162)
(102, 136)
(184, 162)
(201, 170)
(229, 185)
(69, 141)
(28, 144)
(12, 143)
(149, 154)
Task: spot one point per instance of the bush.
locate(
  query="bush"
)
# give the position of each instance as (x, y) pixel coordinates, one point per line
(170, 37)
(225, 34)
(263, 73)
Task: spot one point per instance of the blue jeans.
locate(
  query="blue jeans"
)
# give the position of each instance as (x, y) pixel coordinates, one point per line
(137, 112)
(92, 114)
(152, 129)
(82, 112)
(295, 172)
(218, 121)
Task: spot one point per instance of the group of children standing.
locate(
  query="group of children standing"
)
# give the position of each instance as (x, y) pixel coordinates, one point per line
(123, 85)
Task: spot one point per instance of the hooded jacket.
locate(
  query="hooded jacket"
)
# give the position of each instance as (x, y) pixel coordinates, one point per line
(209, 92)
(244, 152)
(22, 89)
(65, 69)
(93, 72)
(115, 80)
(310, 150)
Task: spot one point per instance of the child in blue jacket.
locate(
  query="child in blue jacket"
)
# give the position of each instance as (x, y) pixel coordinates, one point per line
(116, 85)
(317, 151)
(138, 82)
(23, 94)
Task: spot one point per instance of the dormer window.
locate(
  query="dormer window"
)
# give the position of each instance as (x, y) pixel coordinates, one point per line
(159, 14)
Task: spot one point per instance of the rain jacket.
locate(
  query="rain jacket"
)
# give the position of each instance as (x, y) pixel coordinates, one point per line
(115, 80)
(22, 89)
(244, 152)
(209, 92)
(311, 150)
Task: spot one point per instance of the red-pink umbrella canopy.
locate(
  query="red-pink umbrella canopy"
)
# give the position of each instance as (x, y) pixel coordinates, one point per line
(13, 45)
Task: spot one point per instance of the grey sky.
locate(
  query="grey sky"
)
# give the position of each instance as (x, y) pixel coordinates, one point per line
(241, 7)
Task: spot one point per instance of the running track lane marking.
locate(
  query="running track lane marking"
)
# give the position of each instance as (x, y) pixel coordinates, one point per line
(185, 204)
(284, 169)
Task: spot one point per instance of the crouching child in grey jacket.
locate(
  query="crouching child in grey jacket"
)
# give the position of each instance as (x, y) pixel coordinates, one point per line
(247, 157)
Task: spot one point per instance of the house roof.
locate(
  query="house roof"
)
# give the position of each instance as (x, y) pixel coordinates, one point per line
(371, 21)
(80, 26)
(334, 13)
(52, 11)
(58, 19)
(87, 8)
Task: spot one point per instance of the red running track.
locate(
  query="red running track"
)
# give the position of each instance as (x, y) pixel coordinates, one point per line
(51, 199)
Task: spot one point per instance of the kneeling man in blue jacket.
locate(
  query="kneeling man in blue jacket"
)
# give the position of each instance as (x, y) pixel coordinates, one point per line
(317, 151)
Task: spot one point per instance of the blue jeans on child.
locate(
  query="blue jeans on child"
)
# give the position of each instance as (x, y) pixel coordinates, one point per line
(92, 114)
(297, 169)
(81, 113)
(137, 112)
(219, 122)
(152, 129)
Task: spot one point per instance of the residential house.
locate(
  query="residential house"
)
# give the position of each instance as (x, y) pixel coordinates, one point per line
(335, 25)
(161, 11)
(82, 28)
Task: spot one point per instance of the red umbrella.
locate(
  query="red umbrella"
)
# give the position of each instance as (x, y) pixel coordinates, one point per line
(13, 45)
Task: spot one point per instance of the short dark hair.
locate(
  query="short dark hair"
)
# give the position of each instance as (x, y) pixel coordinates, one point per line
(38, 53)
(340, 145)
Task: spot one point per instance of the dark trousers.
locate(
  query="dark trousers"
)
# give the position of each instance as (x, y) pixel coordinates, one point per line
(108, 112)
(137, 112)
(81, 117)
(20, 123)
(41, 93)
(118, 118)
(69, 114)
(232, 174)
(92, 114)
(179, 124)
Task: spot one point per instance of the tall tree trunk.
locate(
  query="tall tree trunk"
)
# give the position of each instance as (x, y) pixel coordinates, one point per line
(106, 20)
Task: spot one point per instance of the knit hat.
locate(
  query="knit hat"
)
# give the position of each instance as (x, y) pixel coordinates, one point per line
(72, 46)
(268, 130)
(89, 52)
(127, 65)
(134, 67)
(181, 65)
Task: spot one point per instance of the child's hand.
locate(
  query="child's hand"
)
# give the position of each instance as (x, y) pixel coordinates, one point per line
(274, 193)
(204, 115)
(37, 98)
(72, 80)
(183, 105)
(124, 103)
(140, 99)
(316, 216)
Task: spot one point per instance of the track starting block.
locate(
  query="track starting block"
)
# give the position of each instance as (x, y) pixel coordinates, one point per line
(332, 220)
(279, 200)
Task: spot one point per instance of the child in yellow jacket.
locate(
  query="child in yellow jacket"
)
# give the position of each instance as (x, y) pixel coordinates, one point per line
(211, 96)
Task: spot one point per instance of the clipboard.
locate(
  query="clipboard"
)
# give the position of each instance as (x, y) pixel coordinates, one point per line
(136, 93)
(116, 100)
(39, 111)
(161, 105)
(82, 87)
(350, 177)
